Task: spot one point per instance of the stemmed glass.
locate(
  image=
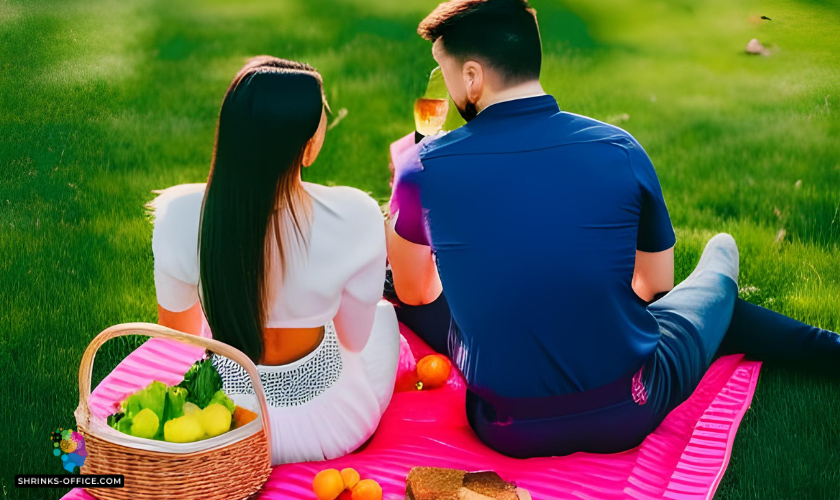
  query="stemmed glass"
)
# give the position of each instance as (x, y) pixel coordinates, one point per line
(430, 110)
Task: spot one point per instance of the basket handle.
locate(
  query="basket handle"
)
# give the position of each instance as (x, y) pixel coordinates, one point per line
(158, 331)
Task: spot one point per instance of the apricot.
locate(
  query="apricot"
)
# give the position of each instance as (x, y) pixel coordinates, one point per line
(367, 489)
(328, 484)
(350, 477)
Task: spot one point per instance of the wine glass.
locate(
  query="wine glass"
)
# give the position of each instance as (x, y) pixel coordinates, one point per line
(430, 110)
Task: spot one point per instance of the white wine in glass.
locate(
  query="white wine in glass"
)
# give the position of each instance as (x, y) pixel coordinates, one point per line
(430, 110)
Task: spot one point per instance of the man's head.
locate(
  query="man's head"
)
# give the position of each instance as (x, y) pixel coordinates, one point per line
(483, 46)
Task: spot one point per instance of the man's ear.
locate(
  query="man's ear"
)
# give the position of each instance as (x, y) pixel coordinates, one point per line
(473, 74)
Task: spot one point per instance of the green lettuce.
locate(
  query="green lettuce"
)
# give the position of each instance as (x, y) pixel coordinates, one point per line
(152, 397)
(175, 399)
(131, 406)
(120, 422)
(221, 398)
(124, 426)
(201, 381)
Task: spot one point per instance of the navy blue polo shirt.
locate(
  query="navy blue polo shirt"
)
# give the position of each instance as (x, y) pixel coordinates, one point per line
(535, 216)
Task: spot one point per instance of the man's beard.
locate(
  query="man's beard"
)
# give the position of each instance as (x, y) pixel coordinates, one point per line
(469, 112)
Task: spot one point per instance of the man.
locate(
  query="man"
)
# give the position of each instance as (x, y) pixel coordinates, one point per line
(550, 236)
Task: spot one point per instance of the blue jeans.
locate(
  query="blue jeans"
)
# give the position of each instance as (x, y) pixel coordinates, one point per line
(699, 318)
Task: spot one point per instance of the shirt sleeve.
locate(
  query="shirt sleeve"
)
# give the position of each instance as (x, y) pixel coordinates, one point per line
(656, 233)
(174, 240)
(173, 294)
(363, 290)
(405, 198)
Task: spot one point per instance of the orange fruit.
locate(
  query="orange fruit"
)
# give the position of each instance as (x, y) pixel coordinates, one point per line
(328, 484)
(350, 477)
(433, 370)
(242, 416)
(367, 489)
(346, 495)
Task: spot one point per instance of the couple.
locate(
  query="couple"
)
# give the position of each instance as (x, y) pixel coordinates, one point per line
(546, 230)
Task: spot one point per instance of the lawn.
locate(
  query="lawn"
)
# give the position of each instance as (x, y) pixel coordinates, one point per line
(102, 101)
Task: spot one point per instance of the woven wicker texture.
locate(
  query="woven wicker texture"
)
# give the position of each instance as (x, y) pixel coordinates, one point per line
(234, 471)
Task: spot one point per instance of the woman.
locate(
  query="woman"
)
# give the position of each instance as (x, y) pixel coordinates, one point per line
(288, 272)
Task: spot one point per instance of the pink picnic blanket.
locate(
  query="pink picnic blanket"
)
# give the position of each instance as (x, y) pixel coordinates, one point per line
(684, 458)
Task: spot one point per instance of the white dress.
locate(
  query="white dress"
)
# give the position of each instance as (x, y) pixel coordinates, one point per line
(328, 403)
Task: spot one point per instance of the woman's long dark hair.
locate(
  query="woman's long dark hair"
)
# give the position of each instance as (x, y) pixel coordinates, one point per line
(270, 112)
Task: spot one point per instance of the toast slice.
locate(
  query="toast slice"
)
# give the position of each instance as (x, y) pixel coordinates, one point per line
(433, 483)
(489, 484)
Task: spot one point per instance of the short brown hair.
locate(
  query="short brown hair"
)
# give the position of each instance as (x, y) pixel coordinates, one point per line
(501, 33)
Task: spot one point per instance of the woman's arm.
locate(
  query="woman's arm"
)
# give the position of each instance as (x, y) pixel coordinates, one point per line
(174, 297)
(363, 291)
(188, 321)
(653, 274)
(416, 279)
(354, 321)
(176, 214)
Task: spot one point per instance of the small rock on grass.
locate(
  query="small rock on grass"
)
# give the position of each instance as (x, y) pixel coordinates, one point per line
(756, 48)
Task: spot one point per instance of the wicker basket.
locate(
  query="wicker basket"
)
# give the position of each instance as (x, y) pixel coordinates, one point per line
(234, 471)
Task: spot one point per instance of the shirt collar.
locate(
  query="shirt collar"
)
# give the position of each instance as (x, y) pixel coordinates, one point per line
(520, 107)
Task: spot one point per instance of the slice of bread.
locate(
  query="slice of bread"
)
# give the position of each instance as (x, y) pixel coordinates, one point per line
(488, 483)
(432, 483)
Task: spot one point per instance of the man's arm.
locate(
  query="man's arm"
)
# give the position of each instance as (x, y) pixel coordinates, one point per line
(416, 279)
(654, 270)
(653, 274)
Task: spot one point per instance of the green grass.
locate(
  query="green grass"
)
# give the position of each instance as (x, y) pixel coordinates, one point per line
(102, 101)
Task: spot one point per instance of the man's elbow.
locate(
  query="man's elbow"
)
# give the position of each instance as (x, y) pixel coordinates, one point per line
(418, 293)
